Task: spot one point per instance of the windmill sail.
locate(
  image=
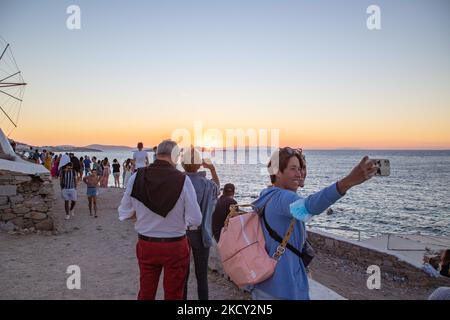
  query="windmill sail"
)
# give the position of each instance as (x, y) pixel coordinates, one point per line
(12, 88)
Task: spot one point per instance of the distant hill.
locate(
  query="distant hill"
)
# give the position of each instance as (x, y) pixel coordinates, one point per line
(23, 147)
(108, 147)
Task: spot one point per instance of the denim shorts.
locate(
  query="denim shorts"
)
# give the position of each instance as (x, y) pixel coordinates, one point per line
(91, 191)
(69, 194)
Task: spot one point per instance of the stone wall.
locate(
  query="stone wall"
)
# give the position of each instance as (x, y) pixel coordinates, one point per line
(26, 200)
(365, 256)
(361, 255)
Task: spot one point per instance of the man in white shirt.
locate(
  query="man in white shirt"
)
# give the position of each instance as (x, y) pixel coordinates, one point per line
(164, 203)
(140, 157)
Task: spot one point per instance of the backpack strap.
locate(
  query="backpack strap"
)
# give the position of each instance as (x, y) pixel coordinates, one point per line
(283, 241)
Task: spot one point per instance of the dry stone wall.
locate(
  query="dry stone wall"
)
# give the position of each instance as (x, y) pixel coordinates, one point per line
(26, 200)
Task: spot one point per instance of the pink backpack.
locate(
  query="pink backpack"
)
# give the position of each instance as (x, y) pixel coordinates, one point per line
(242, 248)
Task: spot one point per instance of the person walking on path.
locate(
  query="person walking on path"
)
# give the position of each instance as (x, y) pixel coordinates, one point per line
(54, 171)
(105, 173)
(116, 173)
(163, 202)
(128, 172)
(87, 165)
(92, 182)
(68, 183)
(140, 157)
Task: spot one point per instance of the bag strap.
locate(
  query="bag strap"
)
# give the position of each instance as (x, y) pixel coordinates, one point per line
(274, 235)
(283, 241)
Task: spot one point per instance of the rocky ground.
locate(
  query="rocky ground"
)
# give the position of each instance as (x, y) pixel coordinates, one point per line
(350, 280)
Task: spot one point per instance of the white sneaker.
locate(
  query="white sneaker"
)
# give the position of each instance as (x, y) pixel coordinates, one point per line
(72, 212)
(67, 217)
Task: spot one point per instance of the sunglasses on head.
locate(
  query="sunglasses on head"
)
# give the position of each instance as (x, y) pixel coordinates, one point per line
(291, 151)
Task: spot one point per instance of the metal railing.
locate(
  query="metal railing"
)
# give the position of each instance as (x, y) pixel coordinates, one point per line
(411, 234)
(336, 228)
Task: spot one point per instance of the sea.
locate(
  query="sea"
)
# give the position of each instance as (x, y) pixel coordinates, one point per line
(415, 198)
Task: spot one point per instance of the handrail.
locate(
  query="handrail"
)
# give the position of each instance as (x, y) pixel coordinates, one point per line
(337, 228)
(407, 249)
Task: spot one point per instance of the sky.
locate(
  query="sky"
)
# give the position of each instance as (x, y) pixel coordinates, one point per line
(139, 70)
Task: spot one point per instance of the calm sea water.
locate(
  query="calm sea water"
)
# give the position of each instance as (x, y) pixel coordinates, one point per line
(414, 198)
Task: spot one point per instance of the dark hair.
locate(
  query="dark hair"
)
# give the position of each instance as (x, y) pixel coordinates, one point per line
(140, 145)
(228, 189)
(445, 257)
(284, 155)
(115, 160)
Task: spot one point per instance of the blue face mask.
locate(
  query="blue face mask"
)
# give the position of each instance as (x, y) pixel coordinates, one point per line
(299, 211)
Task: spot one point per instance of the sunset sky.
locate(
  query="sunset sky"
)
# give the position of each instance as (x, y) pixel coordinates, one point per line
(138, 70)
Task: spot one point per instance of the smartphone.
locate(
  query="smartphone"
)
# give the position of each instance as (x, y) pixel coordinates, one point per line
(384, 167)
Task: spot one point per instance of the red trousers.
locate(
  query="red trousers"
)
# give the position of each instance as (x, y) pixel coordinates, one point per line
(152, 258)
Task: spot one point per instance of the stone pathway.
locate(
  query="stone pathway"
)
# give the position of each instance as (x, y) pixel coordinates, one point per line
(34, 266)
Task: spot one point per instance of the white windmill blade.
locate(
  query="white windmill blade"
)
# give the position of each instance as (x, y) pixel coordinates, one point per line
(12, 88)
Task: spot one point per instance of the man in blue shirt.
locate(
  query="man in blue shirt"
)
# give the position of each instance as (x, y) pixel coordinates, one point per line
(200, 238)
(87, 165)
(287, 169)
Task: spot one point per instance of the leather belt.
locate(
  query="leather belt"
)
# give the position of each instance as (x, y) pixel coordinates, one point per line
(151, 239)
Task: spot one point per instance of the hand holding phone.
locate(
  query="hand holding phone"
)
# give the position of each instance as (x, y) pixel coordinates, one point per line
(384, 167)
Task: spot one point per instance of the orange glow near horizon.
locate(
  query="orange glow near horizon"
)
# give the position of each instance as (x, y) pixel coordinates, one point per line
(308, 137)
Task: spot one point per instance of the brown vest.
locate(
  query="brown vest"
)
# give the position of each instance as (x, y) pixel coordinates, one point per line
(158, 186)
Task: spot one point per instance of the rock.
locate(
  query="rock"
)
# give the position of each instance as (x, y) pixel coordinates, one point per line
(329, 243)
(7, 216)
(3, 200)
(18, 222)
(45, 225)
(32, 202)
(8, 190)
(36, 215)
(22, 179)
(21, 210)
(28, 223)
(5, 207)
(45, 191)
(8, 226)
(40, 208)
(16, 199)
